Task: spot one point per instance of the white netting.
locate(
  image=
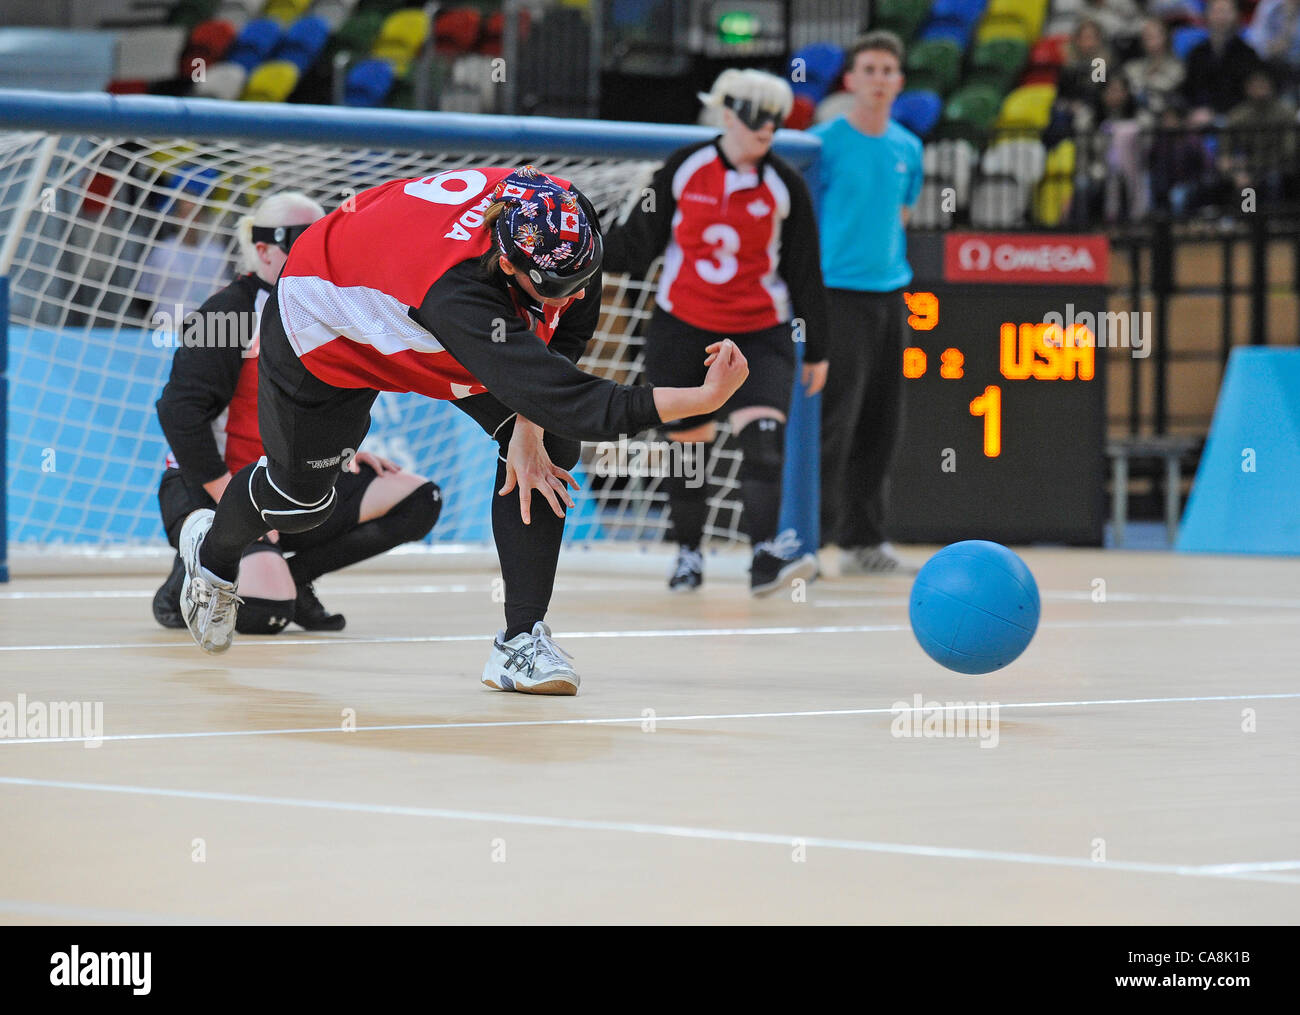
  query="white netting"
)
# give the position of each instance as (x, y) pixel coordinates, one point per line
(107, 233)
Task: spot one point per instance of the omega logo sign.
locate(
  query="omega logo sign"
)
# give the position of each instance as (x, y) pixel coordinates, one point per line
(979, 255)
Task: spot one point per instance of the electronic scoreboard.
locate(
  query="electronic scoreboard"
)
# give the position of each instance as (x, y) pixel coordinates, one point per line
(1003, 430)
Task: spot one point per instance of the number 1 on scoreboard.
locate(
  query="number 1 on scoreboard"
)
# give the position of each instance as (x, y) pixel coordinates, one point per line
(989, 405)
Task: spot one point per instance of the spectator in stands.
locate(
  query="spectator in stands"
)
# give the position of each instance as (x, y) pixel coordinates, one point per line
(1218, 67)
(183, 269)
(1258, 144)
(1124, 187)
(1274, 33)
(1180, 165)
(1089, 63)
(1157, 74)
(1115, 18)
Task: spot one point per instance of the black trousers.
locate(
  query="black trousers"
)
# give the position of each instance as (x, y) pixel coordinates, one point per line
(308, 425)
(861, 413)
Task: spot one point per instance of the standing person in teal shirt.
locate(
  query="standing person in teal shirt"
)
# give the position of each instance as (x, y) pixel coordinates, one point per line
(870, 178)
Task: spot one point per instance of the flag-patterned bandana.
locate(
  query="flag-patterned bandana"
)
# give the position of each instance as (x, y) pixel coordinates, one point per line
(543, 220)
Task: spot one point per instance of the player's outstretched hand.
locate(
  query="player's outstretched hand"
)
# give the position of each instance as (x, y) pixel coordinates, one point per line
(529, 467)
(728, 369)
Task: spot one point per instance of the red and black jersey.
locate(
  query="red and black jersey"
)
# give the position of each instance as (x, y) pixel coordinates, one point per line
(740, 249)
(208, 409)
(387, 292)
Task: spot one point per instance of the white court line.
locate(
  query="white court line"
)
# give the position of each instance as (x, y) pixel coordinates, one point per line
(868, 598)
(362, 590)
(704, 717)
(1235, 868)
(697, 632)
(81, 914)
(642, 828)
(1258, 602)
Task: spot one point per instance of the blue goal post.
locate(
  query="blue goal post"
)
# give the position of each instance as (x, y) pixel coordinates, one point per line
(77, 372)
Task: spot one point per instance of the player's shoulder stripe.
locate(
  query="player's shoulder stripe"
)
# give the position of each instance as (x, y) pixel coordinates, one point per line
(776, 183)
(691, 165)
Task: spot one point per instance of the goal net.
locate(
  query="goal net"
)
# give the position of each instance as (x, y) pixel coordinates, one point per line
(111, 234)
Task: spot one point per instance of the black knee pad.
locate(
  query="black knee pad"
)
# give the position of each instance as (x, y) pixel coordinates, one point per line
(264, 616)
(687, 467)
(415, 515)
(762, 446)
(292, 504)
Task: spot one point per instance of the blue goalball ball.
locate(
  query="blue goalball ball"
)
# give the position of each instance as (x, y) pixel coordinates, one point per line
(974, 606)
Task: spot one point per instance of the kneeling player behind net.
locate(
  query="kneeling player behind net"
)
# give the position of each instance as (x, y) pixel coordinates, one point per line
(480, 286)
(208, 412)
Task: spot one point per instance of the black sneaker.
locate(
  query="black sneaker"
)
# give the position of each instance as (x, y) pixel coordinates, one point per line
(688, 575)
(778, 563)
(167, 600)
(309, 614)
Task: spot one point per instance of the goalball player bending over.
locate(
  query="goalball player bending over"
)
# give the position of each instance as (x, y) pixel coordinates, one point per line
(481, 286)
(208, 412)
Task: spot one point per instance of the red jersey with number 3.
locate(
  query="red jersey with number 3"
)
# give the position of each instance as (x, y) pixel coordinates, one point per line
(351, 280)
(720, 265)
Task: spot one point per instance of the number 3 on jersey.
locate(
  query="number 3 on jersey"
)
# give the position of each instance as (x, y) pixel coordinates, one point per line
(720, 267)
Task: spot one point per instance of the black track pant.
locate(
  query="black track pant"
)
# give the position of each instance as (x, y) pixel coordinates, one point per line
(861, 413)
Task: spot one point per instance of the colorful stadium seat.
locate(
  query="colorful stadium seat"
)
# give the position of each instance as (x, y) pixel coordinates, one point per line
(368, 83)
(457, 30)
(934, 65)
(1025, 160)
(255, 43)
(273, 81)
(970, 112)
(222, 81)
(902, 17)
(815, 70)
(1041, 76)
(918, 111)
(208, 42)
(801, 113)
(1031, 13)
(998, 62)
(931, 210)
(998, 202)
(965, 12)
(1028, 108)
(1049, 51)
(402, 36)
(286, 11)
(957, 31)
(358, 33)
(951, 163)
(304, 42)
(1001, 26)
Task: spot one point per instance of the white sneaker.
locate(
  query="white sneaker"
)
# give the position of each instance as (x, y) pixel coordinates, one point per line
(531, 664)
(208, 603)
(878, 559)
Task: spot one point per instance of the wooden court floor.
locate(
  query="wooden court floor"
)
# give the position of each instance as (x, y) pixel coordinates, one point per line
(727, 760)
